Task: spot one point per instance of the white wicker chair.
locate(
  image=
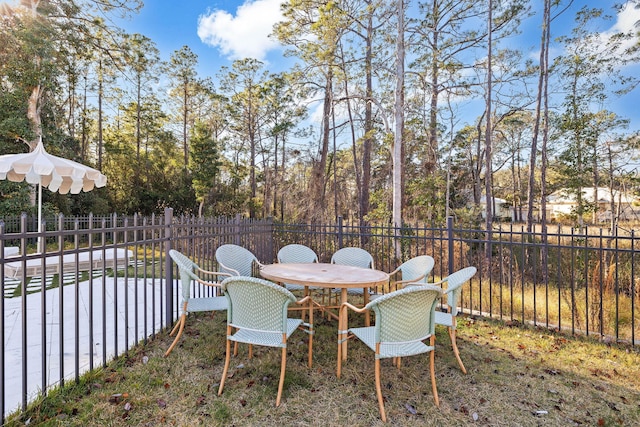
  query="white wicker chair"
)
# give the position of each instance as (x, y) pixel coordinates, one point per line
(452, 292)
(237, 261)
(296, 253)
(414, 270)
(355, 257)
(190, 273)
(257, 315)
(404, 319)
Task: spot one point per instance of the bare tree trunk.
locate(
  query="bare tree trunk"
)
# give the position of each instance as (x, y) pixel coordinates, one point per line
(536, 123)
(100, 114)
(487, 136)
(368, 126)
(399, 120)
(319, 169)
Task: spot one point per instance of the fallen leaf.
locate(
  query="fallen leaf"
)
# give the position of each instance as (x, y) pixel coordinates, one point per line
(161, 403)
(166, 385)
(474, 416)
(127, 406)
(411, 409)
(200, 400)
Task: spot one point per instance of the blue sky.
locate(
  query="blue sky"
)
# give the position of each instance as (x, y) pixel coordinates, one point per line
(221, 31)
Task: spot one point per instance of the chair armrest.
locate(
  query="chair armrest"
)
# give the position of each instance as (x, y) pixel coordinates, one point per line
(235, 272)
(415, 279)
(394, 271)
(256, 266)
(305, 300)
(213, 273)
(346, 305)
(205, 283)
(438, 283)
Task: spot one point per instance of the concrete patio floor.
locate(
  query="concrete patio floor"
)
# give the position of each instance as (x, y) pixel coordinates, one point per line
(68, 327)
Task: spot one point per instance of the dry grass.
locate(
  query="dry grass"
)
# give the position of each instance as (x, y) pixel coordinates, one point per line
(517, 377)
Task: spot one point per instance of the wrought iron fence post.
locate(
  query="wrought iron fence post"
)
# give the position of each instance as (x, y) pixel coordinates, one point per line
(450, 243)
(168, 219)
(340, 232)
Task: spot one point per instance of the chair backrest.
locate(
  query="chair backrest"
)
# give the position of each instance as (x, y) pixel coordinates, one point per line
(417, 269)
(186, 269)
(257, 304)
(356, 257)
(405, 315)
(295, 253)
(235, 260)
(454, 287)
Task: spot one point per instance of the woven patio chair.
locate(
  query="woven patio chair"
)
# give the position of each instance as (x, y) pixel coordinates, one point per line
(237, 261)
(295, 253)
(404, 319)
(190, 274)
(452, 292)
(258, 313)
(414, 270)
(355, 257)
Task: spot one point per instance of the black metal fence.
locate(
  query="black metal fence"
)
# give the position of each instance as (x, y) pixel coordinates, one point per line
(102, 285)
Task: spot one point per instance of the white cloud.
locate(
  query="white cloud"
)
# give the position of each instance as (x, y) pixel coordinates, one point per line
(625, 23)
(244, 35)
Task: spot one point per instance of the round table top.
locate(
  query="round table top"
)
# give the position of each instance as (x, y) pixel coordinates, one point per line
(324, 275)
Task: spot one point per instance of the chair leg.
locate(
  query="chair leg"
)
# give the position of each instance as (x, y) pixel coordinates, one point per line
(180, 326)
(176, 326)
(432, 368)
(452, 335)
(311, 332)
(226, 363)
(339, 367)
(383, 414)
(283, 366)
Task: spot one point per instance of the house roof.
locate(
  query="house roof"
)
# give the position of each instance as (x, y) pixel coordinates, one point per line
(604, 196)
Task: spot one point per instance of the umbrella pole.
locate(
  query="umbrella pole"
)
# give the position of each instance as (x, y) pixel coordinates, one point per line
(40, 248)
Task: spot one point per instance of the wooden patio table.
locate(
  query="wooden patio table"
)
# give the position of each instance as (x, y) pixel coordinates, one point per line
(327, 276)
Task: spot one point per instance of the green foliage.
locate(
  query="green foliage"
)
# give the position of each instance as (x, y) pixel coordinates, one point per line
(14, 199)
(204, 161)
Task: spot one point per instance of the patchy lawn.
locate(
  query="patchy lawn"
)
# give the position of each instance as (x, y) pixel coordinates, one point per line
(517, 377)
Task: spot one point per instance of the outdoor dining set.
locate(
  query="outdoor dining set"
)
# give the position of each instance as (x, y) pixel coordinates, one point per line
(405, 306)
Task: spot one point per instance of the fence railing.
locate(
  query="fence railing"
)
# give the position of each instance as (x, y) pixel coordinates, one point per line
(102, 285)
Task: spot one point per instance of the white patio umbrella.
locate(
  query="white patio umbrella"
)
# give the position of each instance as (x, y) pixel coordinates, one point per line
(49, 171)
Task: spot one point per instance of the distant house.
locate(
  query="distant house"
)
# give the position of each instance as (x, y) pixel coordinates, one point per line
(563, 202)
(500, 208)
